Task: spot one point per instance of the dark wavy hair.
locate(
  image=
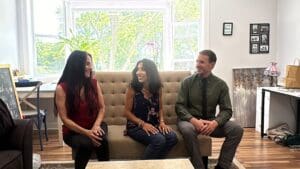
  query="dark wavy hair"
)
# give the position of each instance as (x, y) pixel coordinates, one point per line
(74, 77)
(152, 74)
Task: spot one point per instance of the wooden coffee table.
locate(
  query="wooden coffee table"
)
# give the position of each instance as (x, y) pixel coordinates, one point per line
(143, 164)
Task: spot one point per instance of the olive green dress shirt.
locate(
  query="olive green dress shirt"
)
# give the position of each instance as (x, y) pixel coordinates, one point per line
(189, 99)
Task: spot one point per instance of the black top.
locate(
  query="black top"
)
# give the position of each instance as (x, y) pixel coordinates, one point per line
(145, 109)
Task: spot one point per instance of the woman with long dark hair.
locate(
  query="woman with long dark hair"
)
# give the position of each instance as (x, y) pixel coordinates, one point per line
(80, 105)
(144, 111)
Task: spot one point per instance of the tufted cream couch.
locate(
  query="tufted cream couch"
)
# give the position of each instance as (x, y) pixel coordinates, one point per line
(114, 85)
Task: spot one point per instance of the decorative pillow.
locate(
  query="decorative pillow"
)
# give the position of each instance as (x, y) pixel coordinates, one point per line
(6, 121)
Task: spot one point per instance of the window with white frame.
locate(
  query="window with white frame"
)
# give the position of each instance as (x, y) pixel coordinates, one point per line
(48, 26)
(117, 33)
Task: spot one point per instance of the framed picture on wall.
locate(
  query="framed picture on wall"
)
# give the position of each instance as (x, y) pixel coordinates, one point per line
(259, 38)
(264, 48)
(254, 48)
(254, 38)
(264, 39)
(227, 28)
(264, 28)
(254, 28)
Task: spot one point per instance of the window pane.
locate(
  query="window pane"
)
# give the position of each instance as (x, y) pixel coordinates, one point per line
(186, 40)
(187, 10)
(117, 39)
(184, 65)
(50, 55)
(185, 48)
(49, 24)
(48, 17)
(187, 29)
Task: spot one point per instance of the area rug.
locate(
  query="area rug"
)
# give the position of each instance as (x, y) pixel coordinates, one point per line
(70, 165)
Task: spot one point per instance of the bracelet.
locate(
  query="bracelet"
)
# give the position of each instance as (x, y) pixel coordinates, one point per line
(141, 123)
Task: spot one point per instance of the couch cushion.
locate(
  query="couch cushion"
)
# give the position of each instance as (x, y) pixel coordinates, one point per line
(171, 81)
(123, 147)
(114, 85)
(10, 159)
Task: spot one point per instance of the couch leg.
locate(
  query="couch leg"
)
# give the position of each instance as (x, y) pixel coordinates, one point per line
(205, 161)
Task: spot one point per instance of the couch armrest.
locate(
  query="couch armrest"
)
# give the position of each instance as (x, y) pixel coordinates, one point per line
(21, 139)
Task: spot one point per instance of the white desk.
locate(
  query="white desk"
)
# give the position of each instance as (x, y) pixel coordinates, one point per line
(46, 90)
(294, 93)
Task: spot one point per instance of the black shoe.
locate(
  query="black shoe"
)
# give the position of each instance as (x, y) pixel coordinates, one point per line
(218, 167)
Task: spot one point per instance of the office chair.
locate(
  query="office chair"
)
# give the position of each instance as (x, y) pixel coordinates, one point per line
(38, 115)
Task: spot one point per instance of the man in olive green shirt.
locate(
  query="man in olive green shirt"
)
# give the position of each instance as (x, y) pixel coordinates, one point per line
(196, 105)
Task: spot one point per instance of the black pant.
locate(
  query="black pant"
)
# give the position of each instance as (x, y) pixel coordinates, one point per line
(85, 147)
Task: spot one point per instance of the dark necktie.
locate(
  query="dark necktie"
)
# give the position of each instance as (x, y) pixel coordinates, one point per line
(204, 98)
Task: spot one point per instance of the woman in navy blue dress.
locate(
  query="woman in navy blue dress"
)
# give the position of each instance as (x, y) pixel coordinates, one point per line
(144, 112)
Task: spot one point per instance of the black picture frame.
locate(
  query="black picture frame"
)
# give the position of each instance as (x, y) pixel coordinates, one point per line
(254, 29)
(259, 38)
(255, 38)
(264, 28)
(254, 48)
(264, 39)
(264, 48)
(227, 28)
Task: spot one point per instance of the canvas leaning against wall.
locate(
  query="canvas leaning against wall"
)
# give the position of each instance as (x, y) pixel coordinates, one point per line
(8, 91)
(245, 83)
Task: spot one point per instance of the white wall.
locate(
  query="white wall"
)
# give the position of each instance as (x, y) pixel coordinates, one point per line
(233, 51)
(8, 33)
(288, 26)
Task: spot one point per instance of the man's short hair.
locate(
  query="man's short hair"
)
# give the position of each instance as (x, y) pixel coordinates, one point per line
(211, 55)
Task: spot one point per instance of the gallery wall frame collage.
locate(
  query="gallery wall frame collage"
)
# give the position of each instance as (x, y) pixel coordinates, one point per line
(259, 38)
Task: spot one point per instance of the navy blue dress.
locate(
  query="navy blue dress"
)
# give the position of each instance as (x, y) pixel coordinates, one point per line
(157, 145)
(145, 109)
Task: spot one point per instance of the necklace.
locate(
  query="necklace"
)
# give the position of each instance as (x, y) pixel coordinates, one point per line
(146, 93)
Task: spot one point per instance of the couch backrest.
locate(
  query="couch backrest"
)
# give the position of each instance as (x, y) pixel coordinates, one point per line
(114, 85)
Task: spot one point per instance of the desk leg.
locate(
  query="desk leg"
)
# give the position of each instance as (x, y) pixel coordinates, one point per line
(262, 113)
(298, 116)
(60, 134)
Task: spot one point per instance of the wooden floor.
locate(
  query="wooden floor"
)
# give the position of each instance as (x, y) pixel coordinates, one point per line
(253, 152)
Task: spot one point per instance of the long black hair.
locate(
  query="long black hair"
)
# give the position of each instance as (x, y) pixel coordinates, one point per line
(74, 77)
(152, 74)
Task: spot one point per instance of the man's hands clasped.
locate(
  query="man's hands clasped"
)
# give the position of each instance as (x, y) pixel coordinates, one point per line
(204, 127)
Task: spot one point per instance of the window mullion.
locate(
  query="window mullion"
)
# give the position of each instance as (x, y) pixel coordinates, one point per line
(168, 39)
(68, 24)
(25, 36)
